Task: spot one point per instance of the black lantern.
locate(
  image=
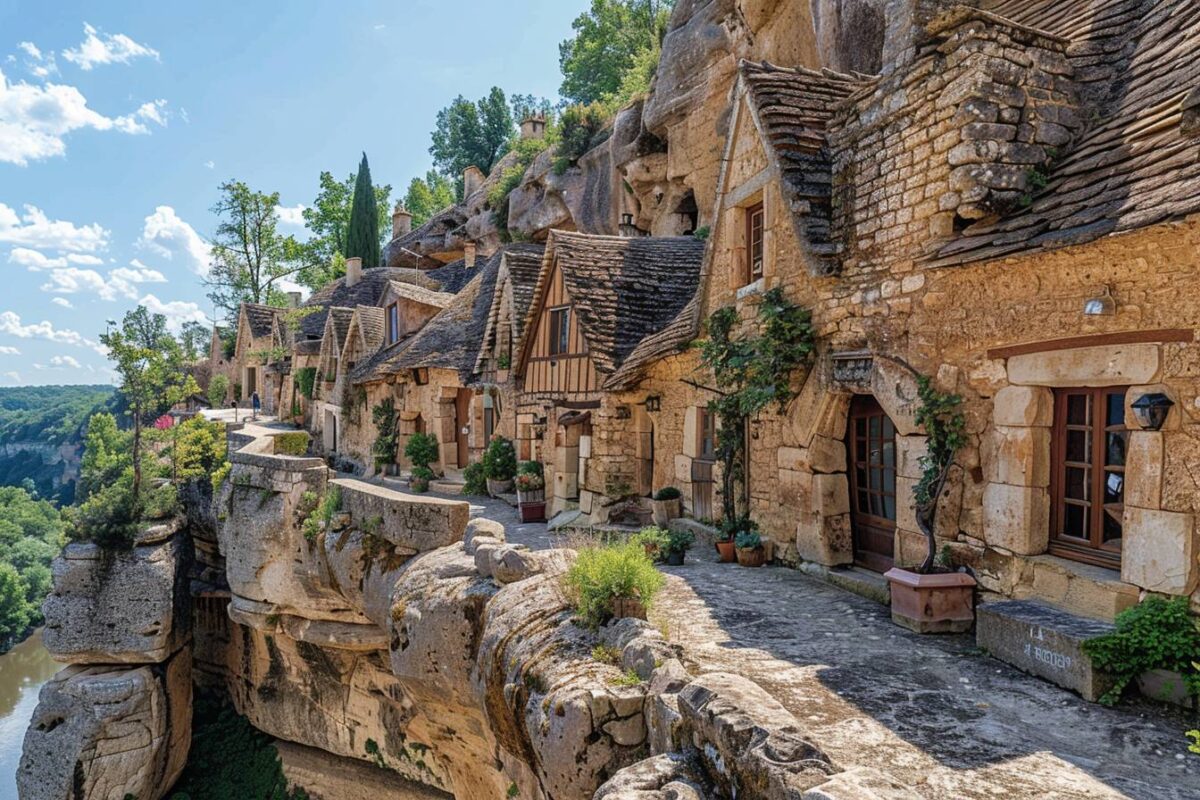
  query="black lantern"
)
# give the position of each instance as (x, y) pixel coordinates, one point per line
(1151, 410)
(654, 403)
(624, 412)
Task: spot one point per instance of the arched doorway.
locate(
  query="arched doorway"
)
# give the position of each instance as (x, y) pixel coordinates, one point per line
(871, 452)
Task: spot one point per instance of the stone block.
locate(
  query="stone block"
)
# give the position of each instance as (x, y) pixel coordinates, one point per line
(860, 783)
(1084, 589)
(408, 521)
(794, 458)
(827, 455)
(1044, 641)
(1144, 470)
(1016, 518)
(1111, 365)
(1017, 456)
(906, 512)
(909, 452)
(566, 459)
(566, 484)
(1159, 551)
(1023, 407)
(129, 607)
(831, 495)
(825, 540)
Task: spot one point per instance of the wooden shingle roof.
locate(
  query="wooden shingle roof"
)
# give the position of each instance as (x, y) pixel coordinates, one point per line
(1135, 165)
(623, 291)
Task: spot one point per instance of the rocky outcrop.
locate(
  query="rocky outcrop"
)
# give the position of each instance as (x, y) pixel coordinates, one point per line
(104, 732)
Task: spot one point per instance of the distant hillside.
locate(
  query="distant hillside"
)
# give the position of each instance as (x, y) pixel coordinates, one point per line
(41, 435)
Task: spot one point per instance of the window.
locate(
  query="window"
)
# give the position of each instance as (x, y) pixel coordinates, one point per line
(754, 240)
(393, 323)
(1088, 478)
(560, 331)
(708, 435)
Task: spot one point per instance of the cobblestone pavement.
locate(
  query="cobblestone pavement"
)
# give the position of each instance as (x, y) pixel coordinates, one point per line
(931, 710)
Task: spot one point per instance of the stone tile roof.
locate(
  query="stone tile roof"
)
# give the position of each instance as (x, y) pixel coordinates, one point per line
(523, 263)
(450, 340)
(792, 108)
(420, 294)
(338, 323)
(454, 276)
(1135, 165)
(623, 291)
(370, 326)
(367, 292)
(260, 318)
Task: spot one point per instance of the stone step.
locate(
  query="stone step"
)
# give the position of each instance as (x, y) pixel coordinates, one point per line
(1044, 641)
(861, 582)
(446, 487)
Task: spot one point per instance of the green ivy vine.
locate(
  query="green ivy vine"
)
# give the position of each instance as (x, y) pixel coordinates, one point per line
(751, 373)
(387, 439)
(940, 414)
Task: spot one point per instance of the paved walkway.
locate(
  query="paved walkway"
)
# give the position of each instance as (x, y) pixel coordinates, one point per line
(930, 710)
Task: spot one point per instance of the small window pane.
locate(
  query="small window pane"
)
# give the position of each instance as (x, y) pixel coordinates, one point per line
(1112, 526)
(1114, 487)
(874, 427)
(1115, 450)
(1075, 521)
(889, 452)
(1077, 409)
(876, 480)
(1116, 409)
(889, 430)
(1077, 486)
(864, 503)
(876, 506)
(889, 508)
(1078, 446)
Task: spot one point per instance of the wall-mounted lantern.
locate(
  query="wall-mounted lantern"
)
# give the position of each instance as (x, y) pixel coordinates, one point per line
(1151, 410)
(623, 412)
(420, 376)
(654, 403)
(1103, 305)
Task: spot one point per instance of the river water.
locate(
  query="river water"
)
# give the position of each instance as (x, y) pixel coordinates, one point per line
(23, 670)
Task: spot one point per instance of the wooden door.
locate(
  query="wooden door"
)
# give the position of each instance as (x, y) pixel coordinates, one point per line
(462, 423)
(871, 450)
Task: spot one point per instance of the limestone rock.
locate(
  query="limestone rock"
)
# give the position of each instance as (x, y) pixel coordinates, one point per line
(862, 783)
(751, 745)
(418, 523)
(482, 528)
(113, 607)
(664, 777)
(109, 732)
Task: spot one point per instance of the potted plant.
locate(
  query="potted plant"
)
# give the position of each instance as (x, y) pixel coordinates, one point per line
(499, 466)
(531, 496)
(749, 546)
(934, 598)
(666, 505)
(419, 482)
(727, 544)
(679, 541)
(654, 541)
(611, 582)
(422, 451)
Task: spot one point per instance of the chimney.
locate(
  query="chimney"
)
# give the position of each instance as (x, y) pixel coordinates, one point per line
(469, 254)
(401, 222)
(533, 126)
(293, 299)
(353, 271)
(473, 178)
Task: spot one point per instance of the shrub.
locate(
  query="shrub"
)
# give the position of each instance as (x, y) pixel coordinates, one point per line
(475, 483)
(747, 540)
(421, 476)
(668, 493)
(200, 449)
(654, 539)
(603, 574)
(109, 517)
(1155, 634)
(580, 129)
(306, 378)
(160, 503)
(292, 444)
(218, 388)
(422, 450)
(320, 511)
(530, 468)
(387, 426)
(500, 460)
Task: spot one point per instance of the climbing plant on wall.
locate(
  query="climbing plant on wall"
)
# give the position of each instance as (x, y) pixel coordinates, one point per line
(387, 427)
(753, 370)
(940, 415)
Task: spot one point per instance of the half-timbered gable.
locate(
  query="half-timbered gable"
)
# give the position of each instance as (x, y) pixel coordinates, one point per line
(519, 269)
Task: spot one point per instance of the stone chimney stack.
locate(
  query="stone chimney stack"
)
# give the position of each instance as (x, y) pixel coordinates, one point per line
(473, 179)
(401, 222)
(469, 254)
(354, 271)
(293, 299)
(533, 126)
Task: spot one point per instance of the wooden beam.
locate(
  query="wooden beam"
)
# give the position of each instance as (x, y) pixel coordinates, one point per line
(1095, 340)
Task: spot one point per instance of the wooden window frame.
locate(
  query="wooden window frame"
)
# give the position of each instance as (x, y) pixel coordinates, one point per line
(756, 228)
(1092, 550)
(393, 322)
(559, 334)
(706, 423)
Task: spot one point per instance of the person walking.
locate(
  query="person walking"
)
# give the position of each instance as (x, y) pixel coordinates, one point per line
(255, 403)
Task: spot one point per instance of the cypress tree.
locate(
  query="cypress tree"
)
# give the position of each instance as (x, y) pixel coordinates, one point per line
(362, 234)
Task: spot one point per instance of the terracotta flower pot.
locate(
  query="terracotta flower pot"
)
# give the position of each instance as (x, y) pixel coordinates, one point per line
(665, 511)
(623, 607)
(751, 556)
(938, 603)
(727, 551)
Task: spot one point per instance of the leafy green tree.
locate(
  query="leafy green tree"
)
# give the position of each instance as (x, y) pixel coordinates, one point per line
(428, 196)
(194, 338)
(472, 134)
(148, 360)
(328, 221)
(362, 233)
(218, 387)
(250, 257)
(613, 40)
(15, 611)
(105, 454)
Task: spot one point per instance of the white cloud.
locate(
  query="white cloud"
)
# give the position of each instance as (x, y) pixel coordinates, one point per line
(30, 50)
(100, 48)
(62, 362)
(165, 234)
(291, 215)
(86, 260)
(35, 118)
(34, 260)
(34, 229)
(9, 351)
(10, 323)
(39, 64)
(210, 164)
(121, 282)
(177, 312)
(15, 377)
(380, 26)
(61, 301)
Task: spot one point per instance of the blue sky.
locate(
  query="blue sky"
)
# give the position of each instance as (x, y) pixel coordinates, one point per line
(118, 121)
